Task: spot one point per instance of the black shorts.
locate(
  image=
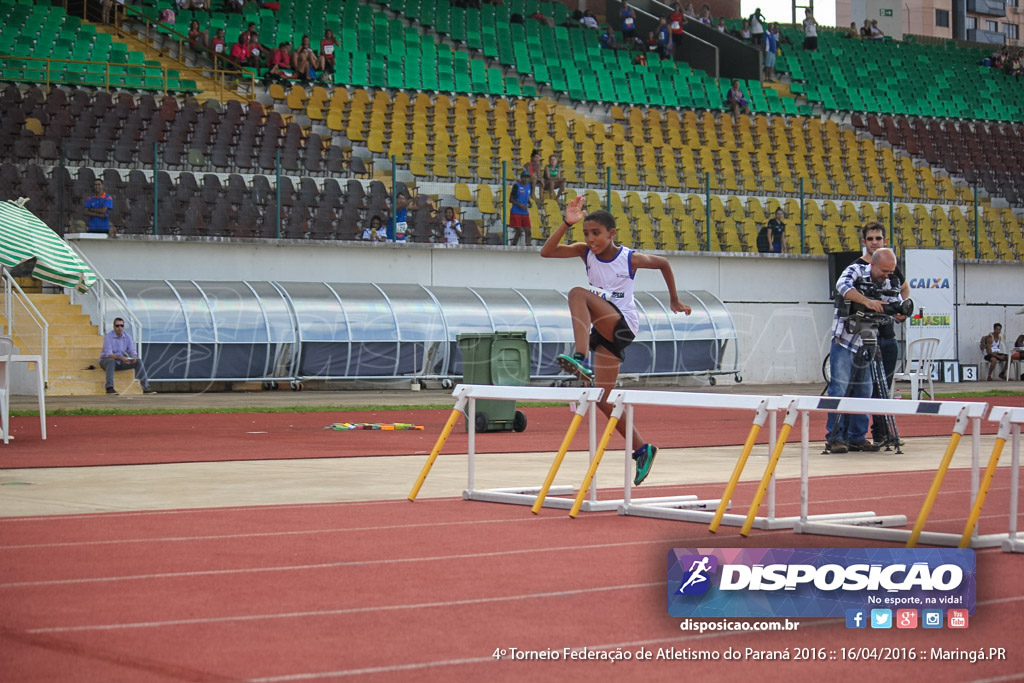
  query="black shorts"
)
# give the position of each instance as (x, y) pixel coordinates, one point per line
(621, 338)
(988, 356)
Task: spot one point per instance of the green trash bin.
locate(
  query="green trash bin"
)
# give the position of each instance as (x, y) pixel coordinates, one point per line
(501, 359)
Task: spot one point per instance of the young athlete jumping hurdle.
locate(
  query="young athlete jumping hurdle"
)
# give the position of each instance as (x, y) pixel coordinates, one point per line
(604, 315)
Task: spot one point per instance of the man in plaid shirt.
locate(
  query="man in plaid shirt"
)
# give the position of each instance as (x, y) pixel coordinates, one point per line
(851, 374)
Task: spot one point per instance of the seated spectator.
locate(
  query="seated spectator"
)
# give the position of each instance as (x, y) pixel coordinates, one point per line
(876, 33)
(865, 30)
(241, 53)
(307, 64)
(589, 20)
(992, 346)
(201, 5)
(235, 6)
(735, 100)
(721, 25)
(607, 39)
(552, 178)
(281, 63)
(689, 11)
(197, 38)
(375, 232)
(705, 15)
(852, 33)
(452, 227)
(652, 42)
(257, 52)
(543, 18)
(183, 4)
(327, 47)
(744, 32)
(640, 59)
(218, 44)
(167, 16)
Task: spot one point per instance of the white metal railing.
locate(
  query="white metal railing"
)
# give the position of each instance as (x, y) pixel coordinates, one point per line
(108, 300)
(24, 322)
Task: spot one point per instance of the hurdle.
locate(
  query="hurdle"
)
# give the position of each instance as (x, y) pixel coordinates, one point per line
(965, 413)
(689, 508)
(466, 395)
(1010, 420)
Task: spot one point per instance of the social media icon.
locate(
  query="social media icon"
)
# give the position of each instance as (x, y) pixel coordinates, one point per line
(856, 618)
(931, 618)
(881, 618)
(957, 618)
(906, 618)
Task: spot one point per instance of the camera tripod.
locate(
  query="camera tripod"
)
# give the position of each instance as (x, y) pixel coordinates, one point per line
(869, 356)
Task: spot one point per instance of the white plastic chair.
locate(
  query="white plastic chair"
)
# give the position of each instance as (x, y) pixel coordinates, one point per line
(918, 366)
(6, 350)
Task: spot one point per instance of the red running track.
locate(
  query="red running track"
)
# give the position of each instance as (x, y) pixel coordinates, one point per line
(92, 440)
(427, 591)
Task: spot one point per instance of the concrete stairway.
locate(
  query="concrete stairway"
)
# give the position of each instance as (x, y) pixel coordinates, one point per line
(75, 344)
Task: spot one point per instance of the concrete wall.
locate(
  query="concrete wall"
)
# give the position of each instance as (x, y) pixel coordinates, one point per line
(779, 304)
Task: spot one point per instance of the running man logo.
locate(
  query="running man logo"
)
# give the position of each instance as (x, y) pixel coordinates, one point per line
(696, 581)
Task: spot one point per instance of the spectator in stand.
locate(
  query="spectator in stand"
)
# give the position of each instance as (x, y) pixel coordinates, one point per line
(627, 23)
(519, 214)
(218, 44)
(552, 178)
(201, 5)
(97, 208)
(250, 32)
(307, 63)
(652, 42)
(865, 30)
(705, 15)
(664, 36)
(769, 238)
(543, 18)
(757, 28)
(607, 39)
(721, 25)
(375, 232)
(771, 48)
(180, 4)
(533, 169)
(236, 6)
(589, 20)
(327, 47)
(240, 51)
(744, 32)
(281, 63)
(676, 23)
(689, 12)
(735, 100)
(810, 31)
(852, 33)
(452, 227)
(257, 51)
(876, 33)
(640, 59)
(197, 38)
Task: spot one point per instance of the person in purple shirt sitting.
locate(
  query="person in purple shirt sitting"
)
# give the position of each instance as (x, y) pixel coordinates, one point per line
(119, 354)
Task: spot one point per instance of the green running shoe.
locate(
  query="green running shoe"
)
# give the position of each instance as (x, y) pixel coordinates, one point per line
(575, 366)
(644, 457)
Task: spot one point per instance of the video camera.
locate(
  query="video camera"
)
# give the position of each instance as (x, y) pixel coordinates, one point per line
(856, 312)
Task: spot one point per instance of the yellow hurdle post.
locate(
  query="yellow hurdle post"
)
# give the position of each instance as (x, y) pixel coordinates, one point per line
(573, 426)
(730, 488)
(929, 500)
(769, 471)
(445, 433)
(986, 482)
(592, 470)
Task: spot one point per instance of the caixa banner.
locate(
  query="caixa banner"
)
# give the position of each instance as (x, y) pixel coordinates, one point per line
(816, 582)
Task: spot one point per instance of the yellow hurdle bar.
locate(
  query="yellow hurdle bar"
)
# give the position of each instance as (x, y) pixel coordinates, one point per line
(445, 433)
(592, 470)
(730, 488)
(933, 492)
(573, 426)
(767, 478)
(986, 481)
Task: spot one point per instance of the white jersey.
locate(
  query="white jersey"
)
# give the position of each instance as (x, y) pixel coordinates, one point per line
(613, 281)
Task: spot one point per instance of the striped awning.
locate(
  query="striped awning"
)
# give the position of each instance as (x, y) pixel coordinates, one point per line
(23, 236)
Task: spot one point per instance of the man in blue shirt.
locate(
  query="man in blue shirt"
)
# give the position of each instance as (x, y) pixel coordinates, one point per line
(664, 36)
(771, 47)
(119, 354)
(399, 225)
(97, 208)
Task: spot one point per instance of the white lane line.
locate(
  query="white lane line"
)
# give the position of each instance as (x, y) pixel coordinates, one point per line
(348, 610)
(817, 623)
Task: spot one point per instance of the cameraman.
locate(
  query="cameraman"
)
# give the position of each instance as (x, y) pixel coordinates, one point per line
(851, 375)
(873, 237)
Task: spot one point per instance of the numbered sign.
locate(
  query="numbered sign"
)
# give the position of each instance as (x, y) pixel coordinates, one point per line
(968, 373)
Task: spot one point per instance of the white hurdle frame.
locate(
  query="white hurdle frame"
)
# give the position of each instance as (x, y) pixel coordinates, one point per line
(689, 508)
(1012, 418)
(965, 412)
(586, 399)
